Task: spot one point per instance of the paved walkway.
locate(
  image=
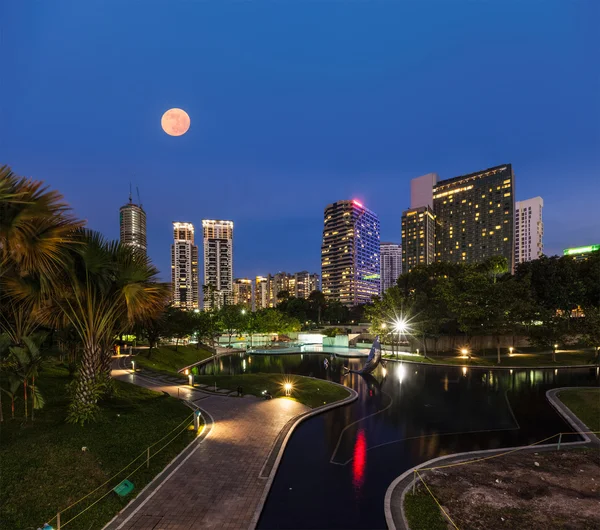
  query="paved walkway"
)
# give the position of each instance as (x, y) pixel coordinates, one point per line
(215, 483)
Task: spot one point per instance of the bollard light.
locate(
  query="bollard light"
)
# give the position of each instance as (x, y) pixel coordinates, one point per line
(288, 388)
(510, 351)
(133, 365)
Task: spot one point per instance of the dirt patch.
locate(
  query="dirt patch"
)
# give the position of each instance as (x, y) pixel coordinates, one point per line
(558, 489)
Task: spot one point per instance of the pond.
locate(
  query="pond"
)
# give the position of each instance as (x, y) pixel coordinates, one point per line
(337, 466)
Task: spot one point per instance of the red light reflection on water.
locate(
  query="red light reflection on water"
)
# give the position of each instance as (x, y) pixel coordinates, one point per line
(359, 461)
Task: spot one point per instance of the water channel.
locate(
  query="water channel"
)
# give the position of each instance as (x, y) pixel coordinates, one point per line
(337, 466)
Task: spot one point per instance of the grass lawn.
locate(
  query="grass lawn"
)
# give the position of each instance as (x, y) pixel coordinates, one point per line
(166, 359)
(524, 360)
(585, 404)
(311, 392)
(422, 512)
(44, 468)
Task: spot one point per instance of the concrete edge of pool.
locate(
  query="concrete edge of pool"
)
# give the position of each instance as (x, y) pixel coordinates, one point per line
(396, 491)
(261, 503)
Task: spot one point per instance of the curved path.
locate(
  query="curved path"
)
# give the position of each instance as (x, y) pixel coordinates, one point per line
(216, 481)
(394, 497)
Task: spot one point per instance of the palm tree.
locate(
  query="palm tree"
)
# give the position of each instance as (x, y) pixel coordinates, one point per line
(108, 288)
(36, 230)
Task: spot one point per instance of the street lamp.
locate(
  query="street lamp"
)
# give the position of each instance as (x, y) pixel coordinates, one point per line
(243, 311)
(400, 326)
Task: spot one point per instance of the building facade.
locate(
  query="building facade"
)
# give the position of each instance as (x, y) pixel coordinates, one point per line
(184, 267)
(421, 190)
(391, 264)
(350, 268)
(218, 263)
(418, 238)
(243, 292)
(132, 224)
(475, 216)
(261, 293)
(305, 283)
(529, 230)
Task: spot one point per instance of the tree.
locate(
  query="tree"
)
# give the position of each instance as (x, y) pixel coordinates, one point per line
(178, 324)
(335, 313)
(202, 326)
(317, 304)
(232, 318)
(108, 288)
(14, 385)
(29, 360)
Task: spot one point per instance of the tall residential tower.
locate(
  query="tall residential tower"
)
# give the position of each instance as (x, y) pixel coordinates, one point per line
(184, 267)
(350, 271)
(218, 263)
(529, 230)
(391, 264)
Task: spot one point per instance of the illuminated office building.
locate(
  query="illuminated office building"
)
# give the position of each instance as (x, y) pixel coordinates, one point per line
(529, 230)
(184, 267)
(261, 292)
(474, 216)
(418, 237)
(218, 263)
(350, 271)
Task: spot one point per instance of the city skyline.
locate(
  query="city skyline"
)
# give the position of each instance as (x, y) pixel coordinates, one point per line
(295, 139)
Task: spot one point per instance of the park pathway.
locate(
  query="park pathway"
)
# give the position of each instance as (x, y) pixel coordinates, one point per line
(215, 482)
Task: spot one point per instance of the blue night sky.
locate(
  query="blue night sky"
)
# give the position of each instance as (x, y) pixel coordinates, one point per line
(296, 104)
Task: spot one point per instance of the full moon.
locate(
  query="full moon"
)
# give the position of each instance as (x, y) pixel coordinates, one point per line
(175, 122)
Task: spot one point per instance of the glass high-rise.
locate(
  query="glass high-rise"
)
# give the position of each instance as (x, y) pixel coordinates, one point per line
(350, 267)
(132, 225)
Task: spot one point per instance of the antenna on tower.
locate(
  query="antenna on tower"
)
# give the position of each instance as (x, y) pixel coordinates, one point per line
(130, 193)
(138, 194)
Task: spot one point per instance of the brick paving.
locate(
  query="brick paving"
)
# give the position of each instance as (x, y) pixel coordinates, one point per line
(218, 486)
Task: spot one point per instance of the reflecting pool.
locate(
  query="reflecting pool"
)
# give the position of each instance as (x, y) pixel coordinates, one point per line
(338, 465)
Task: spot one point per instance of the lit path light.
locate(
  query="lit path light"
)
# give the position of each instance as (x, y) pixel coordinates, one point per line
(288, 389)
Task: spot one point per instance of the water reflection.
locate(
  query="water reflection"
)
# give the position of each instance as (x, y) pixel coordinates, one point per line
(408, 415)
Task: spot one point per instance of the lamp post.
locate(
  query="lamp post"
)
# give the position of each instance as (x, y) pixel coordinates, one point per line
(399, 327)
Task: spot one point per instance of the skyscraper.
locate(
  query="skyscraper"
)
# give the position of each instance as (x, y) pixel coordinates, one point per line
(132, 224)
(305, 284)
(218, 263)
(421, 190)
(184, 267)
(350, 270)
(242, 292)
(475, 216)
(391, 264)
(529, 230)
(418, 238)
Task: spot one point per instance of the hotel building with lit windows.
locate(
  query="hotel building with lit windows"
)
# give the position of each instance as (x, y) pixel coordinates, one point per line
(261, 293)
(184, 267)
(418, 237)
(218, 263)
(390, 263)
(529, 230)
(475, 216)
(350, 266)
